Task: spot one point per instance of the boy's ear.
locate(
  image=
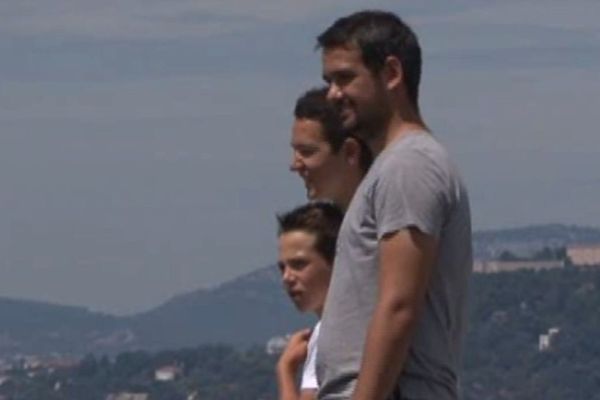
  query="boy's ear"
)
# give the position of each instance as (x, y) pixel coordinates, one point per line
(351, 150)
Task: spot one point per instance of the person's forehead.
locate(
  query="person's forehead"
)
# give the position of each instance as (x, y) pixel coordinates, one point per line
(307, 130)
(348, 54)
(297, 240)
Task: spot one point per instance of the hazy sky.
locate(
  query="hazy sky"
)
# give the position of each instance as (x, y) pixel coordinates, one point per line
(144, 144)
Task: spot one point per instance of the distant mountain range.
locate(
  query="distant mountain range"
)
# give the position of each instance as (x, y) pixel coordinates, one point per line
(247, 310)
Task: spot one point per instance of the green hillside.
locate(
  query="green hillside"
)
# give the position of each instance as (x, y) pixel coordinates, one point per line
(243, 312)
(502, 361)
(508, 313)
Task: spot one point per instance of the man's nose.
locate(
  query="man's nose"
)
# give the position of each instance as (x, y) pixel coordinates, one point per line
(333, 92)
(296, 163)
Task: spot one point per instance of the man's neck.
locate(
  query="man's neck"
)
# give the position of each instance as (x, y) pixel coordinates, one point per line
(397, 128)
(350, 184)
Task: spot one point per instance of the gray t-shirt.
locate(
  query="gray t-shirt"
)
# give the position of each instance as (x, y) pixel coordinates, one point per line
(412, 183)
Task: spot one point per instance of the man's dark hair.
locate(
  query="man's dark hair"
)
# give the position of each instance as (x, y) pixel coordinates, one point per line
(378, 35)
(313, 105)
(320, 218)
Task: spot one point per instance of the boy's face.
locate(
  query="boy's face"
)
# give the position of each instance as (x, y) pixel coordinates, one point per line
(315, 162)
(305, 273)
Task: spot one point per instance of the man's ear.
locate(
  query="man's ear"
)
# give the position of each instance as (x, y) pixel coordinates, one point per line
(392, 73)
(351, 150)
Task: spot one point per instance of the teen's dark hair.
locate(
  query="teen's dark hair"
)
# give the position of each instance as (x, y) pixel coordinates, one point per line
(320, 218)
(378, 35)
(313, 105)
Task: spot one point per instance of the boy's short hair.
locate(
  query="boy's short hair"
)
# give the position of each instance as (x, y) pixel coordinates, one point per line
(313, 105)
(320, 218)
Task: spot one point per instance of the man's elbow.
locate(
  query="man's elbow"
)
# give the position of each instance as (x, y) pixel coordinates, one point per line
(399, 314)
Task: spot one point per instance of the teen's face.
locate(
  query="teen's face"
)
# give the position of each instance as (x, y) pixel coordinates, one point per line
(358, 94)
(314, 161)
(304, 272)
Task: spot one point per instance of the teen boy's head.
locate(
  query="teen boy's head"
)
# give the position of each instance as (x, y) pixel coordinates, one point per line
(307, 240)
(330, 162)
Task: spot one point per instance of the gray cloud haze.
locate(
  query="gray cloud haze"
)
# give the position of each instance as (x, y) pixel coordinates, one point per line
(144, 144)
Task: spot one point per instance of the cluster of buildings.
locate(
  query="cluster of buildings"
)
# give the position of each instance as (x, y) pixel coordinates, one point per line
(587, 255)
(33, 365)
(490, 267)
(166, 373)
(127, 396)
(276, 344)
(142, 396)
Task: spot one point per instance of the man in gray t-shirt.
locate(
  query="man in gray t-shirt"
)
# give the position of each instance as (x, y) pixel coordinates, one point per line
(411, 184)
(395, 311)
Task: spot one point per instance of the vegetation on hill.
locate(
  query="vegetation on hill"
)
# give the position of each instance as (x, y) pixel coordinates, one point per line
(208, 372)
(526, 241)
(508, 313)
(245, 311)
(30, 327)
(242, 312)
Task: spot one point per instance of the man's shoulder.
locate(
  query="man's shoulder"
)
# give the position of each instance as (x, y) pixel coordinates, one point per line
(419, 171)
(414, 155)
(413, 149)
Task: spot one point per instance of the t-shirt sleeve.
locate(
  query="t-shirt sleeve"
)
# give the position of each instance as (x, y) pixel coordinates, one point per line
(309, 373)
(410, 193)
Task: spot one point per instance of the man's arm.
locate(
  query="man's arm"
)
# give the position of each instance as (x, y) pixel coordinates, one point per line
(288, 365)
(406, 259)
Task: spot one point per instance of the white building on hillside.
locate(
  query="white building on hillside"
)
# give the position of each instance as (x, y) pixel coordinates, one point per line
(167, 373)
(128, 396)
(489, 267)
(276, 344)
(545, 341)
(582, 255)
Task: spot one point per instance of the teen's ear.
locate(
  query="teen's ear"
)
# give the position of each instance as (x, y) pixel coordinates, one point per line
(392, 73)
(351, 150)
